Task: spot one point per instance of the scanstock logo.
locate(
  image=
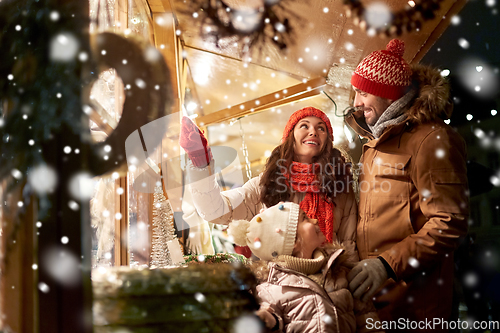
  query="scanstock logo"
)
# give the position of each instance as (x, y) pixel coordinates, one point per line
(150, 164)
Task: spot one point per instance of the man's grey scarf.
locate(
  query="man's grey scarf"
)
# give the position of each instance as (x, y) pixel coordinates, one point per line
(394, 114)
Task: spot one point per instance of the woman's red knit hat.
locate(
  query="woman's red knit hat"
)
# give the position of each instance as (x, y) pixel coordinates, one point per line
(384, 73)
(306, 112)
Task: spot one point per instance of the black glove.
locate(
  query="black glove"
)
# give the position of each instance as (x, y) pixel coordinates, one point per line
(366, 278)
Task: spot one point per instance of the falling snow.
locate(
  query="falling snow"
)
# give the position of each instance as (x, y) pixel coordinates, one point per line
(413, 262)
(478, 77)
(440, 153)
(455, 20)
(62, 265)
(16, 174)
(63, 47)
(200, 297)
(327, 319)
(73, 205)
(152, 54)
(463, 43)
(54, 16)
(43, 287)
(247, 324)
(378, 15)
(471, 279)
(43, 179)
(495, 180)
(140, 83)
(81, 186)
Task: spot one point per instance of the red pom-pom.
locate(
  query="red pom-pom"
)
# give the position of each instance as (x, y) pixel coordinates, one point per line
(396, 47)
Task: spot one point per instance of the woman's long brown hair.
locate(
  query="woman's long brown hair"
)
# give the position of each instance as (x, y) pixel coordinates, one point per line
(333, 175)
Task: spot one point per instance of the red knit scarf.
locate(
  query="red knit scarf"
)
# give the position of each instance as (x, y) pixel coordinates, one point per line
(314, 204)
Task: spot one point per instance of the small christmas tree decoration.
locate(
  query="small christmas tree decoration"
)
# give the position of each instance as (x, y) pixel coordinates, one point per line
(163, 231)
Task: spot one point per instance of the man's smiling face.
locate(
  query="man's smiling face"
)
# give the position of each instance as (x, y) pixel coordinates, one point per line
(372, 106)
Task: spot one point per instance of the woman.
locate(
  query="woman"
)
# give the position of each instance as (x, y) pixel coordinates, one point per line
(305, 168)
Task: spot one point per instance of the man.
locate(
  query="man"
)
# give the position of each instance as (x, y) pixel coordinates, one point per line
(413, 190)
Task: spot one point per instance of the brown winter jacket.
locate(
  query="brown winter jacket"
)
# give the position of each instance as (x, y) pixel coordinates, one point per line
(315, 303)
(414, 203)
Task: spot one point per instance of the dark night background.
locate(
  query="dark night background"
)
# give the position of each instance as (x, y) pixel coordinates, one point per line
(470, 50)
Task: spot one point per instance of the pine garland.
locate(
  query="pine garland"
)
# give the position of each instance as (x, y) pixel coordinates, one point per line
(41, 93)
(215, 258)
(408, 19)
(269, 24)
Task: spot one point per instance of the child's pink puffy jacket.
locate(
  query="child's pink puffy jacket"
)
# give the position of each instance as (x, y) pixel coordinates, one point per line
(301, 305)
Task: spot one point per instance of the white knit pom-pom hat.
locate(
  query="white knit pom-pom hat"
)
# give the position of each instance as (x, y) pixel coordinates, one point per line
(269, 234)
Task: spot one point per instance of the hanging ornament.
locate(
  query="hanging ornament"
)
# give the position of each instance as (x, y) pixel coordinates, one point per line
(163, 231)
(408, 19)
(244, 149)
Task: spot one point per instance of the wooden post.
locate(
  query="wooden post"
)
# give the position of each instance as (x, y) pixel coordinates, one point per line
(169, 45)
(18, 276)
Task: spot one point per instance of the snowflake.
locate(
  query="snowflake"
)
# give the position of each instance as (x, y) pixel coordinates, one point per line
(455, 20)
(62, 265)
(413, 262)
(327, 319)
(440, 153)
(43, 179)
(378, 15)
(44, 288)
(247, 324)
(81, 186)
(495, 180)
(200, 297)
(63, 47)
(140, 83)
(426, 193)
(73, 205)
(151, 54)
(463, 43)
(471, 279)
(54, 15)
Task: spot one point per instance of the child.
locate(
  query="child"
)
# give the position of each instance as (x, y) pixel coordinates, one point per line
(304, 286)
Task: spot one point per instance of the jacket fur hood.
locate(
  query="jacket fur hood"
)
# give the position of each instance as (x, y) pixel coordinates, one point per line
(433, 99)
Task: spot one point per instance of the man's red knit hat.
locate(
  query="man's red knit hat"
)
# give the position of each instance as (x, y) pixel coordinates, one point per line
(384, 73)
(306, 112)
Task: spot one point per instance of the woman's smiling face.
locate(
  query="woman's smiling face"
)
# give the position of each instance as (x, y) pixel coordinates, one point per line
(310, 135)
